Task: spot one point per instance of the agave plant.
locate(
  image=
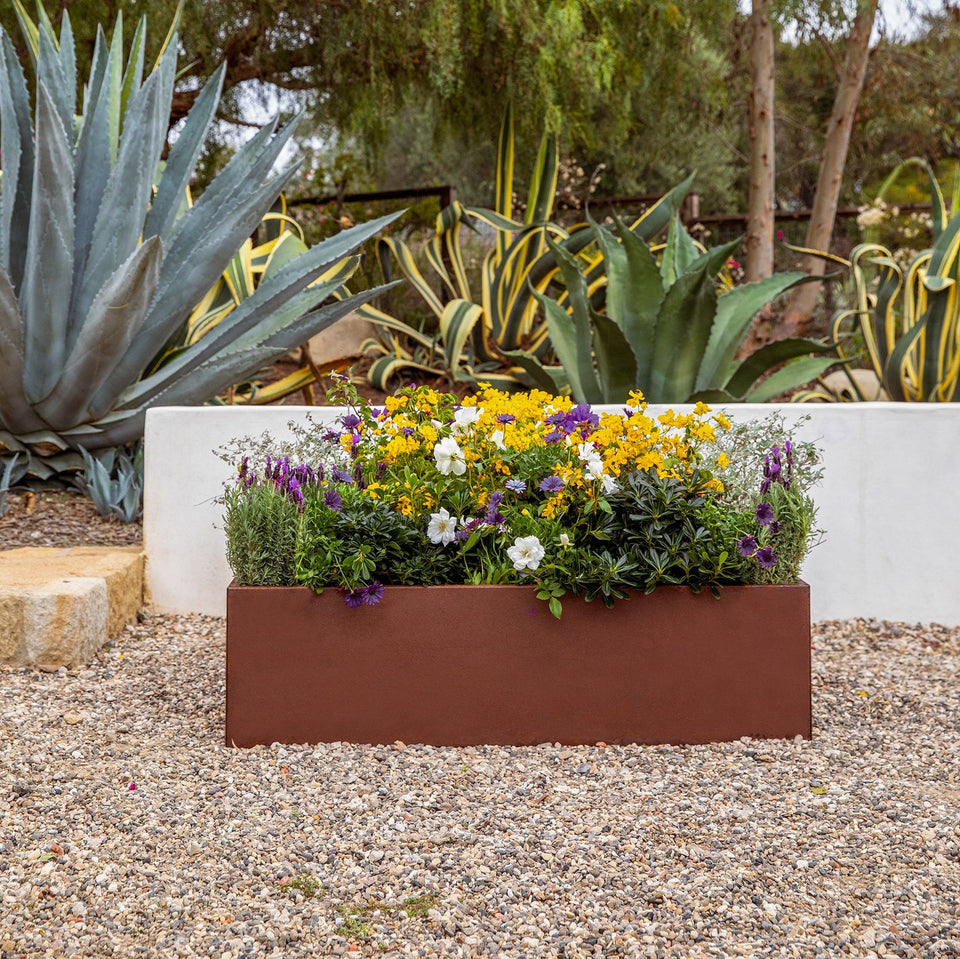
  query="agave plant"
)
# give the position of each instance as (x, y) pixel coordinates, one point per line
(666, 328)
(909, 315)
(102, 260)
(488, 335)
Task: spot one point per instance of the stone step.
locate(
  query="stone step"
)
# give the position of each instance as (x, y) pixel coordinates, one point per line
(59, 606)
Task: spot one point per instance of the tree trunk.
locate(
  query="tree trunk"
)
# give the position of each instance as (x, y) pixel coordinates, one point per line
(758, 245)
(820, 230)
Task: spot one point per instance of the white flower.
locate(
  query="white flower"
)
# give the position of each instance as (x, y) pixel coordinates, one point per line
(442, 528)
(449, 457)
(496, 437)
(586, 452)
(594, 468)
(610, 485)
(465, 417)
(526, 552)
(564, 540)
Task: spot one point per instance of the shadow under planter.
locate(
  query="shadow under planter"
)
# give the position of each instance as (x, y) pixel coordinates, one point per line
(469, 665)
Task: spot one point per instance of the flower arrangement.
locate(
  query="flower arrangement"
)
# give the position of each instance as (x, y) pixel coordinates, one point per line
(522, 488)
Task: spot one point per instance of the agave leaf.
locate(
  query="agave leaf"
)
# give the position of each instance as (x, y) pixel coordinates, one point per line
(647, 226)
(543, 184)
(186, 277)
(735, 312)
(616, 364)
(133, 74)
(634, 292)
(408, 266)
(542, 377)
(55, 77)
(769, 356)
(504, 188)
(678, 253)
(795, 373)
(249, 165)
(457, 321)
(386, 321)
(45, 294)
(93, 158)
(386, 368)
(15, 413)
(127, 196)
(113, 322)
(183, 158)
(29, 29)
(286, 248)
(114, 87)
(682, 333)
(17, 149)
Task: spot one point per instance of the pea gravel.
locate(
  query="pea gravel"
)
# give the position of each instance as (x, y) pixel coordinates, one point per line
(128, 829)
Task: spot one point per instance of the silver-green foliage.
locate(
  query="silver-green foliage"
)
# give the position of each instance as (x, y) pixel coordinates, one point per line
(113, 479)
(9, 474)
(261, 533)
(102, 259)
(666, 327)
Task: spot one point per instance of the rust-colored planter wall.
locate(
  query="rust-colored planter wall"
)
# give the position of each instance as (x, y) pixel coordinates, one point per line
(465, 665)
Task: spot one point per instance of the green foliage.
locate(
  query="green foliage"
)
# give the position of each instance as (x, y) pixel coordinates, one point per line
(113, 479)
(261, 533)
(627, 322)
(909, 314)
(102, 261)
(9, 474)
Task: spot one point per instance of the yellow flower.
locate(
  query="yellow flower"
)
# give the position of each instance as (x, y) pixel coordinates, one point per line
(723, 461)
(405, 506)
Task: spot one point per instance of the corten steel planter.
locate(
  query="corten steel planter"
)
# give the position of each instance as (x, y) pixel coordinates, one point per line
(467, 665)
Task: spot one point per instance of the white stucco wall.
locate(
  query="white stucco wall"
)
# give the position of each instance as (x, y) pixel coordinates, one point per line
(887, 504)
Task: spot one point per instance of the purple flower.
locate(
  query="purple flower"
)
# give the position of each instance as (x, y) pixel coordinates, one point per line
(775, 527)
(766, 557)
(551, 484)
(746, 546)
(379, 412)
(372, 594)
(342, 476)
(493, 517)
(331, 436)
(582, 415)
(764, 514)
(333, 499)
(351, 421)
(505, 417)
(553, 437)
(516, 485)
(353, 597)
(555, 419)
(408, 431)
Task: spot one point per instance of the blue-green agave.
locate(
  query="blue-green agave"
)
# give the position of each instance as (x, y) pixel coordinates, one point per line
(661, 320)
(102, 260)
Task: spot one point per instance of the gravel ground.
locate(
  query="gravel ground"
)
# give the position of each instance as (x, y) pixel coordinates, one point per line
(128, 829)
(61, 519)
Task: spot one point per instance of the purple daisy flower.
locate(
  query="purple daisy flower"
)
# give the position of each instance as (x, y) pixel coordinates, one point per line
(551, 484)
(766, 557)
(505, 417)
(746, 546)
(764, 514)
(353, 597)
(553, 437)
(351, 421)
(333, 499)
(341, 476)
(516, 485)
(372, 594)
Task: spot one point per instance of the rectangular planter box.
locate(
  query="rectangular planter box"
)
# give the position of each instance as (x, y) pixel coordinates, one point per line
(467, 665)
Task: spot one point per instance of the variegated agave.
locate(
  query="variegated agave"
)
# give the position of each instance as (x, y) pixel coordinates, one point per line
(498, 336)
(102, 260)
(909, 315)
